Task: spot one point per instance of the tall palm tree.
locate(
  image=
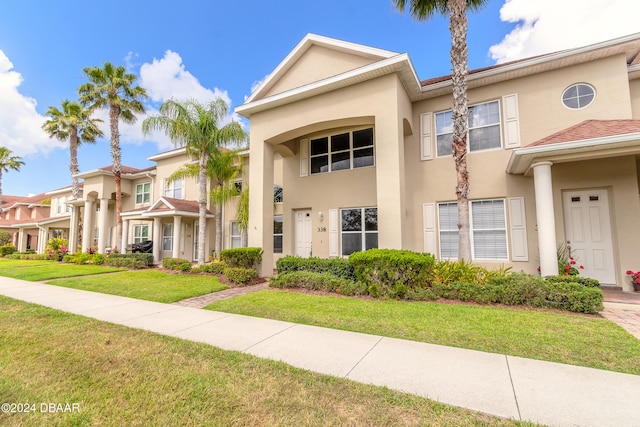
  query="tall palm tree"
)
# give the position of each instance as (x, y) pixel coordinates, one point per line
(8, 162)
(73, 123)
(113, 88)
(199, 128)
(457, 9)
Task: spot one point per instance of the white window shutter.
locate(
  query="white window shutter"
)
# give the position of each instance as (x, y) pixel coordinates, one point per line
(429, 222)
(511, 126)
(426, 150)
(334, 233)
(519, 250)
(304, 157)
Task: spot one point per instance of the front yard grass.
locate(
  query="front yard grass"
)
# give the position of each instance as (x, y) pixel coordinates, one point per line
(38, 271)
(122, 376)
(150, 285)
(574, 339)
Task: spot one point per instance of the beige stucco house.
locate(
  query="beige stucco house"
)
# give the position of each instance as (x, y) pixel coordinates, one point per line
(364, 149)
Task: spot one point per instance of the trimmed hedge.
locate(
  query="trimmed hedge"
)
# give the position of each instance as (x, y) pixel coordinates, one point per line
(28, 256)
(144, 258)
(242, 257)
(581, 280)
(177, 264)
(7, 250)
(239, 275)
(316, 281)
(391, 273)
(339, 267)
(213, 268)
(124, 262)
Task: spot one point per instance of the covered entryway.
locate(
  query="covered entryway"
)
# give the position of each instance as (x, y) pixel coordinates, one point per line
(303, 233)
(588, 232)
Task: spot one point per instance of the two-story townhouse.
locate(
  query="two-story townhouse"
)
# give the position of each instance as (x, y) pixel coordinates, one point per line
(554, 149)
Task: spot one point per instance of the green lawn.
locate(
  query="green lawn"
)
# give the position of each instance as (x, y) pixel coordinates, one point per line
(151, 285)
(38, 271)
(122, 376)
(553, 336)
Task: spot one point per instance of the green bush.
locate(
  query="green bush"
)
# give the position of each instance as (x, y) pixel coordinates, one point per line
(242, 257)
(239, 275)
(584, 281)
(5, 238)
(392, 273)
(98, 259)
(124, 262)
(337, 266)
(146, 259)
(213, 268)
(7, 250)
(29, 256)
(70, 259)
(315, 281)
(177, 264)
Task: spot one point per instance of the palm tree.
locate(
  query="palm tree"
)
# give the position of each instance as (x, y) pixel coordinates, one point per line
(113, 88)
(457, 10)
(74, 123)
(242, 215)
(8, 162)
(199, 129)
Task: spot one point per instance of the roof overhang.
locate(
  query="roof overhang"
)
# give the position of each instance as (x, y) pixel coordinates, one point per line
(596, 148)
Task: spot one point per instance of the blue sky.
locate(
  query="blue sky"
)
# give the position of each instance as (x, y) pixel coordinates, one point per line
(202, 49)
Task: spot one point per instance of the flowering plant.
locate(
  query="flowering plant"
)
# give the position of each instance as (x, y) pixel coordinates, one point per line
(635, 276)
(569, 267)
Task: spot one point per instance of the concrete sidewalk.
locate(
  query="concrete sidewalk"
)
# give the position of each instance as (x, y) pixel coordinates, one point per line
(506, 386)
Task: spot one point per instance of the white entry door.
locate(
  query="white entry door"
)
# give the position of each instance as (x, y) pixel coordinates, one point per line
(303, 233)
(588, 230)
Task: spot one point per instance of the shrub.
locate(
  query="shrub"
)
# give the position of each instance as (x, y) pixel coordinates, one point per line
(5, 238)
(391, 272)
(145, 258)
(71, 259)
(213, 268)
(177, 264)
(239, 275)
(7, 250)
(581, 280)
(98, 259)
(28, 256)
(337, 266)
(82, 258)
(316, 281)
(449, 271)
(126, 262)
(242, 257)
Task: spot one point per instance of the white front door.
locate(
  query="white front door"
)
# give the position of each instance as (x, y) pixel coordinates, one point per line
(588, 231)
(303, 233)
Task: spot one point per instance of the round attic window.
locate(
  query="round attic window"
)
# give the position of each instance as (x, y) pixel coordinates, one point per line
(578, 96)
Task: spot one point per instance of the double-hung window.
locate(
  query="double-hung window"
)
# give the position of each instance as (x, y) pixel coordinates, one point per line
(236, 235)
(140, 233)
(359, 229)
(348, 150)
(167, 237)
(174, 189)
(277, 234)
(488, 229)
(143, 193)
(484, 129)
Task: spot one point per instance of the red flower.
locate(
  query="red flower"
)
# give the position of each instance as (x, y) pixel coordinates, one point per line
(582, 267)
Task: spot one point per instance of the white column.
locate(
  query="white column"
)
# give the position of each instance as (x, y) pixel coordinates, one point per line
(103, 233)
(176, 236)
(545, 216)
(157, 239)
(43, 234)
(125, 235)
(261, 203)
(73, 229)
(87, 228)
(21, 245)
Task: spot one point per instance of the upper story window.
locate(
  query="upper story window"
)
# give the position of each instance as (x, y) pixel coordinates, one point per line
(143, 193)
(484, 128)
(348, 150)
(61, 205)
(578, 96)
(174, 189)
(237, 185)
(278, 195)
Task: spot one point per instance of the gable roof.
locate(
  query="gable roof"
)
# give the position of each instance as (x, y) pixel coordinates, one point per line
(168, 206)
(590, 129)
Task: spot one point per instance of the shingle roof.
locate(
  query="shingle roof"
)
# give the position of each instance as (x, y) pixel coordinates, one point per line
(128, 169)
(181, 205)
(590, 129)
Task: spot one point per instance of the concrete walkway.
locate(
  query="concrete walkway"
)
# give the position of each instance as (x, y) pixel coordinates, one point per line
(506, 386)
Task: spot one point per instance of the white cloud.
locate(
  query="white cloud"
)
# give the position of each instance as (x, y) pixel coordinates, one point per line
(551, 25)
(20, 123)
(167, 78)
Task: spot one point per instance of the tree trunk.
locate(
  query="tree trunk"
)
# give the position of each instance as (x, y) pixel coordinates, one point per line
(202, 207)
(114, 114)
(73, 162)
(218, 229)
(458, 29)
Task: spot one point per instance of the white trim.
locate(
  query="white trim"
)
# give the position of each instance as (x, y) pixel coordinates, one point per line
(511, 124)
(334, 233)
(518, 229)
(430, 227)
(426, 130)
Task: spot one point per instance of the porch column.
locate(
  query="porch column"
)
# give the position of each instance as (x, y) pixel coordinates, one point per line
(43, 234)
(545, 218)
(21, 245)
(176, 236)
(74, 220)
(87, 230)
(125, 235)
(260, 230)
(157, 239)
(102, 224)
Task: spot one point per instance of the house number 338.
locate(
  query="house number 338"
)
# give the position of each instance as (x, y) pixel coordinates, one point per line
(322, 229)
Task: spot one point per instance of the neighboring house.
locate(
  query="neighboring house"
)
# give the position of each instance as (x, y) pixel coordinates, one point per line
(554, 153)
